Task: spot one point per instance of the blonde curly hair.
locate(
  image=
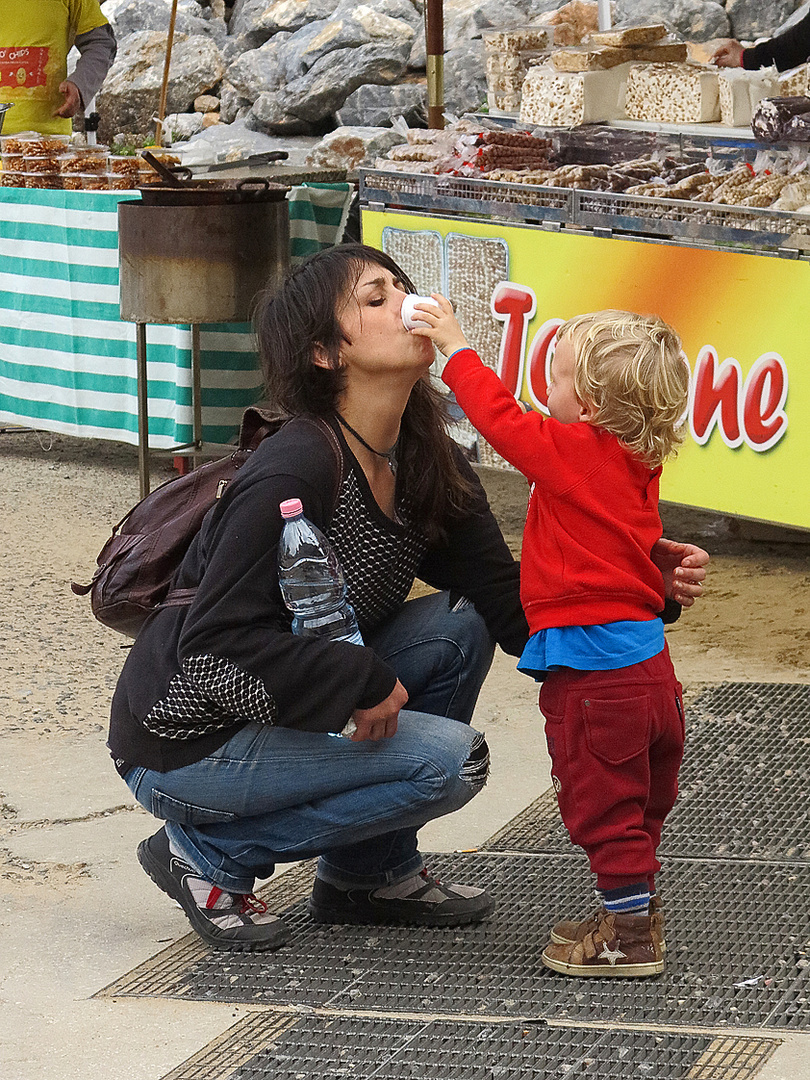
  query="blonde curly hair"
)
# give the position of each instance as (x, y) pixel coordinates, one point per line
(631, 370)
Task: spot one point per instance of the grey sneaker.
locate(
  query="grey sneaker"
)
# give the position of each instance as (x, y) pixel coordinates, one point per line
(236, 921)
(419, 900)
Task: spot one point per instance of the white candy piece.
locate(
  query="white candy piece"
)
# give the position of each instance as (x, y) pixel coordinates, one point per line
(673, 94)
(410, 317)
(567, 99)
(740, 91)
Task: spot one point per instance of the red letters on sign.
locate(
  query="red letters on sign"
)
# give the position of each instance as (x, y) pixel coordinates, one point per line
(539, 363)
(764, 416)
(513, 305)
(751, 412)
(715, 395)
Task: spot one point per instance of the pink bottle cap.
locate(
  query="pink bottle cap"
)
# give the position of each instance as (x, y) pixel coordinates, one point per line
(291, 508)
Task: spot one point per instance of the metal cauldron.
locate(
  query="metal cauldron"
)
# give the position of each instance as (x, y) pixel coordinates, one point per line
(195, 264)
(200, 263)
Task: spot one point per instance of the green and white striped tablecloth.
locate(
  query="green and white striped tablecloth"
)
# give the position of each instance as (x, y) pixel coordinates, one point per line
(67, 361)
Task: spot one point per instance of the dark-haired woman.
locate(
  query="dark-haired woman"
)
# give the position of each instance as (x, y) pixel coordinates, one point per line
(226, 725)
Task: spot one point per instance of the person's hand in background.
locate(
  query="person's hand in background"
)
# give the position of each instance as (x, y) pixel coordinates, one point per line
(72, 102)
(729, 53)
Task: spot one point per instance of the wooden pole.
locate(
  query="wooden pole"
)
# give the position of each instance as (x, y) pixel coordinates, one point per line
(434, 39)
(164, 88)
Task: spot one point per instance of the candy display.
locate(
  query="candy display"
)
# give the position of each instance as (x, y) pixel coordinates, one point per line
(30, 159)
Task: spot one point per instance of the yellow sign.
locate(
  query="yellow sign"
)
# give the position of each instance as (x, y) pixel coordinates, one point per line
(742, 319)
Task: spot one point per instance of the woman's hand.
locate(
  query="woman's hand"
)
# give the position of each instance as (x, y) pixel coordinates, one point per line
(381, 721)
(683, 568)
(444, 330)
(729, 53)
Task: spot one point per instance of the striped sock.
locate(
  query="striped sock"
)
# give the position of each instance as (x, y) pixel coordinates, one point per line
(629, 900)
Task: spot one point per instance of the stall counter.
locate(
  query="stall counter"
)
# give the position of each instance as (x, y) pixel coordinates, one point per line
(742, 317)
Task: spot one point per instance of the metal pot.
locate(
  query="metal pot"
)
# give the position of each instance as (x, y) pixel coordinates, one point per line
(251, 189)
(199, 264)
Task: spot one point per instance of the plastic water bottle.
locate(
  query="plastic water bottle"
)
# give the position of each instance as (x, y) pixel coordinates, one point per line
(311, 580)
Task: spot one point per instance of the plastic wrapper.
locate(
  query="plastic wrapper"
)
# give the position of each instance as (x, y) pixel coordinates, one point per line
(41, 163)
(583, 58)
(33, 143)
(509, 54)
(794, 83)
(120, 181)
(82, 163)
(798, 128)
(42, 180)
(573, 22)
(127, 165)
(772, 116)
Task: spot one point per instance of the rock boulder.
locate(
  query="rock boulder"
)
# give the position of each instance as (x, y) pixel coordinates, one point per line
(129, 98)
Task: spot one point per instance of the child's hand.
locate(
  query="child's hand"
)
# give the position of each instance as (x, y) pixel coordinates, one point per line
(443, 330)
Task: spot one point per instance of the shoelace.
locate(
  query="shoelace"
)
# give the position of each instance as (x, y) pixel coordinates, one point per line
(247, 902)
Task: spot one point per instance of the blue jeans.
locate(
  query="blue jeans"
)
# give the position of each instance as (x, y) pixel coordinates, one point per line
(274, 794)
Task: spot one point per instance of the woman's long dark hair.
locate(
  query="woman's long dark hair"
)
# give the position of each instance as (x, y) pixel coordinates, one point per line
(303, 314)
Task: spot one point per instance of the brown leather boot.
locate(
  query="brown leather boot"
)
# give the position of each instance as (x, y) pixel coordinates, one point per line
(618, 945)
(569, 931)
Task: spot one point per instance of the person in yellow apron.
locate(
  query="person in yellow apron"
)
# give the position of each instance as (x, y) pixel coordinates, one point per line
(35, 39)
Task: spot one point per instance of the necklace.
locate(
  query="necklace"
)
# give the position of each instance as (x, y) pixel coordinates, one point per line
(390, 455)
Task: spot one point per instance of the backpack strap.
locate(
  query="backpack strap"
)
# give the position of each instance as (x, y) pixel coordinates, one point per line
(332, 439)
(258, 424)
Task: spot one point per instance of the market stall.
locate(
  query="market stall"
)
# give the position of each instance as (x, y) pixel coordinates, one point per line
(520, 252)
(68, 361)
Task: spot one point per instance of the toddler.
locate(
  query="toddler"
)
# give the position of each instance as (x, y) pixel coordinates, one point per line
(593, 599)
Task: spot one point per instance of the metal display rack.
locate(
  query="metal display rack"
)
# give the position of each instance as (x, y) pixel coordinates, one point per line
(763, 230)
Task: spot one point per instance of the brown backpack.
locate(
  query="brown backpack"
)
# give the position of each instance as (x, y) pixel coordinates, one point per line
(138, 562)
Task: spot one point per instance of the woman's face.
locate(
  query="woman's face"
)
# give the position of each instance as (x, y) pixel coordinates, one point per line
(378, 343)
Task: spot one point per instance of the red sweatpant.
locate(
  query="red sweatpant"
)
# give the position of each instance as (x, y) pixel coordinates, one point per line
(616, 744)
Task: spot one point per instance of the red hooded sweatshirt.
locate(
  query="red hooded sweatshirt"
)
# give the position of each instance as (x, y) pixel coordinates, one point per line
(593, 516)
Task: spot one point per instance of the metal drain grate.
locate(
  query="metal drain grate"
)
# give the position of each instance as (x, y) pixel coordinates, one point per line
(743, 785)
(737, 932)
(327, 1048)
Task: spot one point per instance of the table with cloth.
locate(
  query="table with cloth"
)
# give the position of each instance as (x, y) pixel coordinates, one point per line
(68, 362)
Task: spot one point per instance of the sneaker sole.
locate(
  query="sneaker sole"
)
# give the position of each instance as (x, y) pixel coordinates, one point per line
(166, 883)
(359, 918)
(634, 971)
(558, 939)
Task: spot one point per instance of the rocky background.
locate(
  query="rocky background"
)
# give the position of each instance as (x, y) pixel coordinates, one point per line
(306, 67)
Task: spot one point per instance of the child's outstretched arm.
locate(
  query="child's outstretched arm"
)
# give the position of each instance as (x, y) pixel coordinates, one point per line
(486, 402)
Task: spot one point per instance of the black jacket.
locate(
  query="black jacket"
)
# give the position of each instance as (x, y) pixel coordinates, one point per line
(196, 674)
(787, 50)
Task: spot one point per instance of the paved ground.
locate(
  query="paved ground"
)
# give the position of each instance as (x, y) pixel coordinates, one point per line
(77, 911)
